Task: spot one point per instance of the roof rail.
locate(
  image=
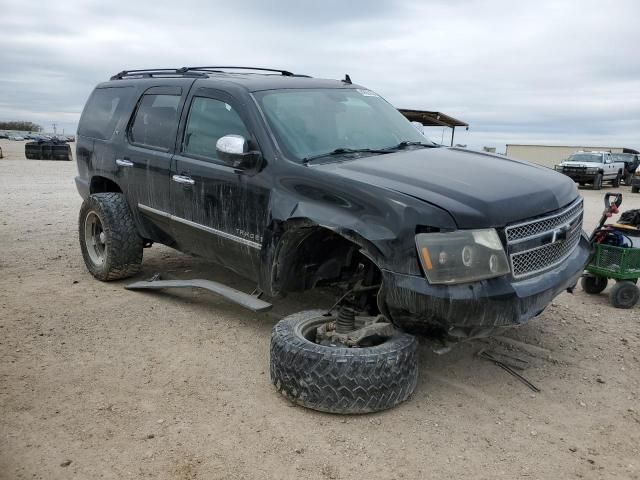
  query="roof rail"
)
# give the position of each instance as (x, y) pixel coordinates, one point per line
(156, 72)
(285, 73)
(193, 72)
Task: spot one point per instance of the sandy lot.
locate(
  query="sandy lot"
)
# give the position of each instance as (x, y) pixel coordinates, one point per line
(100, 382)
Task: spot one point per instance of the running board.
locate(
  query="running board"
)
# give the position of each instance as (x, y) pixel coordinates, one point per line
(243, 299)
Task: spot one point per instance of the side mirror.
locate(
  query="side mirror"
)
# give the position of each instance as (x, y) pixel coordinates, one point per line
(234, 151)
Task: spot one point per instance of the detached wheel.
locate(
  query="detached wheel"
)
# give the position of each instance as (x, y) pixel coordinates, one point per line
(597, 182)
(624, 295)
(340, 379)
(109, 240)
(593, 284)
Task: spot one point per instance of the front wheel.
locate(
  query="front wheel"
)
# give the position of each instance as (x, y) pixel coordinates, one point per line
(109, 240)
(624, 295)
(597, 182)
(339, 379)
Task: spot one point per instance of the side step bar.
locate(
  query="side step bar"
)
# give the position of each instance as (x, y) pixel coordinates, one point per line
(243, 299)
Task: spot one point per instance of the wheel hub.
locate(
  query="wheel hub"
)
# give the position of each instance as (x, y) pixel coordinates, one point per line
(95, 238)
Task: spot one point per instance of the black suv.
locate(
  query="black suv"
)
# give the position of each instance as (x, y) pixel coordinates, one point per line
(297, 182)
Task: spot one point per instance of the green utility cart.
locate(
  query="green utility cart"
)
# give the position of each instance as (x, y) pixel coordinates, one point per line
(621, 264)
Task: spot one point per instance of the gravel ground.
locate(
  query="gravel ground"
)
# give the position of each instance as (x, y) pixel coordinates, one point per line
(100, 382)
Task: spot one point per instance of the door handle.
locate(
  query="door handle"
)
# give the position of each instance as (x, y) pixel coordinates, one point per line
(124, 162)
(183, 180)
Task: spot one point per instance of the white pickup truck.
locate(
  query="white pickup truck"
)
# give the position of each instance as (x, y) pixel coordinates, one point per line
(593, 168)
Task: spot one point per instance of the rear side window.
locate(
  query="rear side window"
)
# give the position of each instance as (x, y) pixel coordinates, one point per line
(209, 120)
(104, 107)
(155, 122)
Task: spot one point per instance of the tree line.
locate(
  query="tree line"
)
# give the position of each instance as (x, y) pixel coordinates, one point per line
(22, 126)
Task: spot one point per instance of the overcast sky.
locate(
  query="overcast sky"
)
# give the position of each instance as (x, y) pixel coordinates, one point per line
(561, 72)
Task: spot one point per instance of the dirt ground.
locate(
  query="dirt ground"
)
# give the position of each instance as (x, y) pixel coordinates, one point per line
(100, 382)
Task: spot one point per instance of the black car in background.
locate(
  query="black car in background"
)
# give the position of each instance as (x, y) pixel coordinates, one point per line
(297, 183)
(631, 161)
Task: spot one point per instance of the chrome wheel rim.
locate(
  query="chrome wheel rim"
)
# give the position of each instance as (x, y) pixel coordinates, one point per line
(95, 239)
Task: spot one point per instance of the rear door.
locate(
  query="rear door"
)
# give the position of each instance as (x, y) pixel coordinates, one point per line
(145, 157)
(219, 212)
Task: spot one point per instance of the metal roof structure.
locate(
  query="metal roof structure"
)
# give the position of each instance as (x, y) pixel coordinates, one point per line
(434, 119)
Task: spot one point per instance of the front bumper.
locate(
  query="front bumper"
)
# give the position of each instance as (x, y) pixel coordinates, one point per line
(581, 176)
(499, 302)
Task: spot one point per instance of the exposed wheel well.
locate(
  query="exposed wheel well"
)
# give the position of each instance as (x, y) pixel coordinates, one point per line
(309, 255)
(102, 185)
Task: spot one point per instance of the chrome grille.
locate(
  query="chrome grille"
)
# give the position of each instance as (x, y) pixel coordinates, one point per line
(545, 224)
(547, 250)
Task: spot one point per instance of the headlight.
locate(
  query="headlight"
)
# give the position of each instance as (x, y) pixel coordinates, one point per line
(592, 170)
(462, 256)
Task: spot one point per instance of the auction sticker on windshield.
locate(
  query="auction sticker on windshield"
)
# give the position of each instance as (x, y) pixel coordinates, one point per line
(367, 93)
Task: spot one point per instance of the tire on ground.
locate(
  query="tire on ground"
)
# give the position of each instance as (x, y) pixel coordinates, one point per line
(597, 182)
(123, 245)
(615, 183)
(340, 380)
(593, 284)
(635, 189)
(624, 294)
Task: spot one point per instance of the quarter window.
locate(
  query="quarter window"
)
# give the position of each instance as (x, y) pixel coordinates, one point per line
(209, 120)
(155, 122)
(103, 109)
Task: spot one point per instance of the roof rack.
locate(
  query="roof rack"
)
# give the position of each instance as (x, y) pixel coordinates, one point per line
(193, 72)
(156, 72)
(284, 73)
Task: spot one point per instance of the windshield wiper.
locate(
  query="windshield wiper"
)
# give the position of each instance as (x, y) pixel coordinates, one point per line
(343, 151)
(406, 143)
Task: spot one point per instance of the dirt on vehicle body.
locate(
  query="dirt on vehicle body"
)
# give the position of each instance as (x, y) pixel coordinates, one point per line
(296, 183)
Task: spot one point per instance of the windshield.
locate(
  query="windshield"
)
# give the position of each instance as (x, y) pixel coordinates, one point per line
(586, 157)
(313, 122)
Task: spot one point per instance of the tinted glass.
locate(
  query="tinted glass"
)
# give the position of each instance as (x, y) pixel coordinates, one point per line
(315, 121)
(209, 120)
(156, 121)
(104, 107)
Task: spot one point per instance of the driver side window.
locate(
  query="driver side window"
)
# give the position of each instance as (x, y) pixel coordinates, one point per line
(210, 119)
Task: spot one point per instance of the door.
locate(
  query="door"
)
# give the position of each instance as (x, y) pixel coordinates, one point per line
(218, 211)
(610, 169)
(145, 156)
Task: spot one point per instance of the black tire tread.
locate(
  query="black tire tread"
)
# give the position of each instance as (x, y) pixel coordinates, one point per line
(124, 245)
(593, 284)
(341, 380)
(597, 182)
(618, 288)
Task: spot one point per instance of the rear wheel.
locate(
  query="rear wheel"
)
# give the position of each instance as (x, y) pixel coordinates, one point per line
(597, 182)
(378, 374)
(615, 183)
(624, 295)
(109, 240)
(593, 284)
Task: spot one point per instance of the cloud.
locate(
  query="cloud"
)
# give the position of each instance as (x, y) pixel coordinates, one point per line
(551, 71)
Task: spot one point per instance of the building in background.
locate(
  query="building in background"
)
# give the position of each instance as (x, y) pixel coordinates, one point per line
(551, 155)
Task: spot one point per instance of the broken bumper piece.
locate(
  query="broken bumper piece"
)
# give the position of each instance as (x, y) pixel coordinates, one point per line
(497, 302)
